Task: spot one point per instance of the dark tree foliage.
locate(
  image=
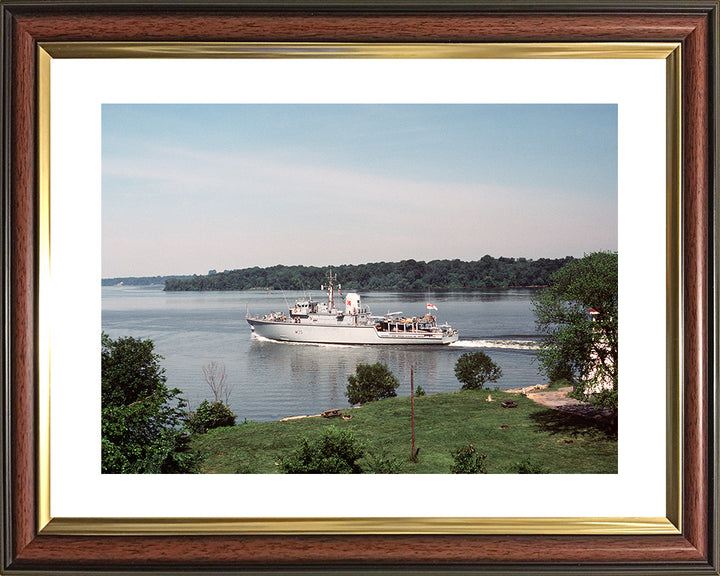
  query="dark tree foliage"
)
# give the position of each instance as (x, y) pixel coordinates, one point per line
(578, 313)
(474, 369)
(335, 452)
(407, 275)
(141, 418)
(138, 280)
(371, 382)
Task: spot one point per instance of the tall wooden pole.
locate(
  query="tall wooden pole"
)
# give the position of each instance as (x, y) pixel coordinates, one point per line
(412, 414)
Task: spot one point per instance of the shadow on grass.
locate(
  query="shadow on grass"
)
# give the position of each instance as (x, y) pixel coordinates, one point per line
(568, 424)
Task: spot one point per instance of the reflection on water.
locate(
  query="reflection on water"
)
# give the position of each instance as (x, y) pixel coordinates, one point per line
(272, 380)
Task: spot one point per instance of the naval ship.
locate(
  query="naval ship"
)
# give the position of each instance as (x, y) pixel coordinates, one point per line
(323, 323)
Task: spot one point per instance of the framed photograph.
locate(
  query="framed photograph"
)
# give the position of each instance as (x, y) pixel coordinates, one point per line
(89, 85)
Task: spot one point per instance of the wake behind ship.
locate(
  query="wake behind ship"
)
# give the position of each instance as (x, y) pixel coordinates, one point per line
(323, 323)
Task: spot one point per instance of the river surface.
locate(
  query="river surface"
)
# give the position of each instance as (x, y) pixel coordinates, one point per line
(271, 380)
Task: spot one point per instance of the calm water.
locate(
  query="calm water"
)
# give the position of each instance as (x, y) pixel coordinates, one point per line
(272, 380)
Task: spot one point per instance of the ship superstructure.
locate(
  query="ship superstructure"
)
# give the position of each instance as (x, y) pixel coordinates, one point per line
(323, 323)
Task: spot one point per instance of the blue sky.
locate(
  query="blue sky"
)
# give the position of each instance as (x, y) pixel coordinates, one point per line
(188, 188)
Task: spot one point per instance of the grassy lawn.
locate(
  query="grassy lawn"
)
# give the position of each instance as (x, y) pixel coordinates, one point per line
(561, 443)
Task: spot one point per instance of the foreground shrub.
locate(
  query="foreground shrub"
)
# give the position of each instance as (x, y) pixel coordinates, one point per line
(474, 369)
(381, 462)
(335, 452)
(371, 382)
(210, 415)
(468, 461)
(529, 466)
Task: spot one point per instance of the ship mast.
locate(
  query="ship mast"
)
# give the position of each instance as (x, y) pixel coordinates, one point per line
(331, 289)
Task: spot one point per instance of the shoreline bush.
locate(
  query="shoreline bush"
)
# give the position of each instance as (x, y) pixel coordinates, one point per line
(371, 382)
(475, 369)
(210, 415)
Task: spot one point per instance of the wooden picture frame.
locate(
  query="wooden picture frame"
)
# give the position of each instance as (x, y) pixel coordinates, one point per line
(31, 546)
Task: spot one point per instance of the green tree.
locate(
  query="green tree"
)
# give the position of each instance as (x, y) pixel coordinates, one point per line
(335, 452)
(474, 369)
(371, 382)
(142, 420)
(578, 313)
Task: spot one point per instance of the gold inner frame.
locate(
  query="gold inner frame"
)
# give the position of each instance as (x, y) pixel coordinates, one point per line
(670, 524)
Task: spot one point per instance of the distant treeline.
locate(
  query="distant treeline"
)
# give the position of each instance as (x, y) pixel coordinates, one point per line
(138, 281)
(408, 275)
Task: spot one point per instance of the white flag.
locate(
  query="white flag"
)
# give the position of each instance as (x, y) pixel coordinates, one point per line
(431, 306)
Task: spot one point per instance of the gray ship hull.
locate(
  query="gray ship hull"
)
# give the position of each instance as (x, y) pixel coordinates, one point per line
(288, 331)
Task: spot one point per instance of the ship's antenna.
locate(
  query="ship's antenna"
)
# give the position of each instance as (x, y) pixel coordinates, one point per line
(285, 298)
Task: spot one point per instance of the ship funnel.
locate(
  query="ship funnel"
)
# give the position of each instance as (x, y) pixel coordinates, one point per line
(352, 303)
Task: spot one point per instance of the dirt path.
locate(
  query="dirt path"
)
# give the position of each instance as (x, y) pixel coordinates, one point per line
(558, 400)
(554, 398)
